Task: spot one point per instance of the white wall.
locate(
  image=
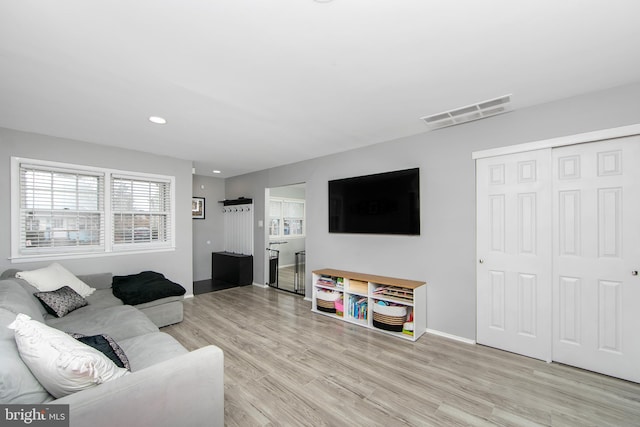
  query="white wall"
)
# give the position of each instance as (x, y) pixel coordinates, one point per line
(444, 254)
(176, 265)
(208, 233)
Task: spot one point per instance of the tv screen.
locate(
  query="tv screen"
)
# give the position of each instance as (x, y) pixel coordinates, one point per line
(384, 203)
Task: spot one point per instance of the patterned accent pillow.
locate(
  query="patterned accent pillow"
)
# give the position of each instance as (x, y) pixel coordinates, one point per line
(107, 346)
(61, 301)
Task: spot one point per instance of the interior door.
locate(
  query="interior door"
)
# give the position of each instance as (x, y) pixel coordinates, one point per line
(596, 287)
(514, 253)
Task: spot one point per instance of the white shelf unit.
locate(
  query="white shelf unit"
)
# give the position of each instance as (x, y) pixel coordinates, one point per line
(369, 289)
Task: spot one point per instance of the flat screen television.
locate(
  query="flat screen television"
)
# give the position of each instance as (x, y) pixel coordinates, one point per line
(383, 203)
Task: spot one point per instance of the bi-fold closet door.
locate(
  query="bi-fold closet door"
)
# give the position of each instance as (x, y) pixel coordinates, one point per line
(558, 244)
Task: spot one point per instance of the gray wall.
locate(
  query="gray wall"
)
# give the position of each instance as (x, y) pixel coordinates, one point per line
(444, 254)
(289, 191)
(176, 265)
(208, 233)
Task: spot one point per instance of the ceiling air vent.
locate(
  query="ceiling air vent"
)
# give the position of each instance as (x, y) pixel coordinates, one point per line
(469, 113)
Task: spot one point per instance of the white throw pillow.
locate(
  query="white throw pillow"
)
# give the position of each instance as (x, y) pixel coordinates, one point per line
(62, 364)
(54, 277)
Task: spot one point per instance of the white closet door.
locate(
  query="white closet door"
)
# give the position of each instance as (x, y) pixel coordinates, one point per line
(596, 289)
(514, 253)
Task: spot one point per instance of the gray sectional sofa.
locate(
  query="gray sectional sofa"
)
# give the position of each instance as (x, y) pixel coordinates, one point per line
(167, 385)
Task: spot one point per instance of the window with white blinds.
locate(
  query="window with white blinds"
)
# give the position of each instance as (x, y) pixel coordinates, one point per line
(62, 210)
(141, 211)
(286, 217)
(275, 217)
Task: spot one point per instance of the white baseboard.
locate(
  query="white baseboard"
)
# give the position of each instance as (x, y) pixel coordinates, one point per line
(259, 285)
(308, 299)
(452, 337)
(188, 296)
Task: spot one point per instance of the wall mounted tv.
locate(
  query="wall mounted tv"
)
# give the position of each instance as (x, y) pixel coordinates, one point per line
(383, 203)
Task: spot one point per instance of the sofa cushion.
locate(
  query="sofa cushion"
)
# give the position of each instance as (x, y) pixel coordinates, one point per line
(118, 322)
(147, 350)
(165, 314)
(17, 383)
(11, 274)
(14, 298)
(97, 280)
(62, 364)
(61, 301)
(32, 290)
(54, 277)
(144, 287)
(103, 298)
(160, 301)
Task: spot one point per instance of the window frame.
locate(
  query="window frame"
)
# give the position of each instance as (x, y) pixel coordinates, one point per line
(108, 247)
(133, 245)
(282, 218)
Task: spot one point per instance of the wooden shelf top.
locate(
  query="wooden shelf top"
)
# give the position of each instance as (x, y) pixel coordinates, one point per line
(382, 280)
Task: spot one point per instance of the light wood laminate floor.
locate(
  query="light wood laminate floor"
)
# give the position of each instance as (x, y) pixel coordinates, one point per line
(286, 278)
(286, 366)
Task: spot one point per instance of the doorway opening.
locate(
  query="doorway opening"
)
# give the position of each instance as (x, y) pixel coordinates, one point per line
(286, 238)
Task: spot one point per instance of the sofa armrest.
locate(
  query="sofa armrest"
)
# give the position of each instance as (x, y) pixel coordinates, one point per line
(184, 391)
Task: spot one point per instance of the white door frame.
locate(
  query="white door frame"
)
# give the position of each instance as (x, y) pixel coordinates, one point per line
(265, 232)
(580, 138)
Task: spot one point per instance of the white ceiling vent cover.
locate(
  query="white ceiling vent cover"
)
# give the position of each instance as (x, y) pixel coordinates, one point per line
(469, 113)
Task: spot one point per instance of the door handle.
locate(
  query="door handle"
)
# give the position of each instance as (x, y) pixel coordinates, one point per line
(634, 273)
(481, 261)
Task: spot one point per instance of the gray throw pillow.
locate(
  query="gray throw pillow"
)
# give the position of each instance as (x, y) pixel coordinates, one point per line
(61, 301)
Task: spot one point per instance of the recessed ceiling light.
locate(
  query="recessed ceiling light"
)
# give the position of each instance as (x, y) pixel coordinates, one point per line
(216, 171)
(157, 120)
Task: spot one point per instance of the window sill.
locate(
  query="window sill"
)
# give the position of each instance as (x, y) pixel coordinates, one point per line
(56, 257)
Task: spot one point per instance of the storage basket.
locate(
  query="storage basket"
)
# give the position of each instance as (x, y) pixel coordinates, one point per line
(326, 306)
(388, 323)
(389, 318)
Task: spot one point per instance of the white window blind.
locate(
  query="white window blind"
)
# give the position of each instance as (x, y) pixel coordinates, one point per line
(275, 214)
(293, 218)
(286, 217)
(141, 211)
(61, 210)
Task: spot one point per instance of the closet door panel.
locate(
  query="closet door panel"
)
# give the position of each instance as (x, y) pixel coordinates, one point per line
(514, 253)
(596, 251)
(570, 303)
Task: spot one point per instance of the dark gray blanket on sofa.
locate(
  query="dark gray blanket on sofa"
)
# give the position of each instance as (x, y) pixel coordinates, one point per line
(144, 287)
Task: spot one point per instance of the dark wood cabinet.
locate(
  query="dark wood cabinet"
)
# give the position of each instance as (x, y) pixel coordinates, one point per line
(229, 269)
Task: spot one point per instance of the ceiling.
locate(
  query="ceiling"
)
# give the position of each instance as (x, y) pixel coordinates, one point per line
(247, 85)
